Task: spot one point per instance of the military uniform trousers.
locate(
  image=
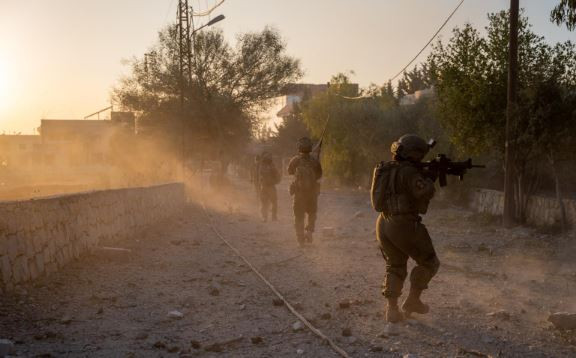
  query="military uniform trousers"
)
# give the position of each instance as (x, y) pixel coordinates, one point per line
(304, 204)
(402, 237)
(268, 200)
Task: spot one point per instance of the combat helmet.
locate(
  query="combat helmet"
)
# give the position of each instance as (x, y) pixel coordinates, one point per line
(410, 147)
(304, 145)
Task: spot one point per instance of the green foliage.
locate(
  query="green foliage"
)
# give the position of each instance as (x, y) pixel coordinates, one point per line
(229, 87)
(288, 132)
(471, 83)
(470, 75)
(565, 13)
(360, 131)
(419, 78)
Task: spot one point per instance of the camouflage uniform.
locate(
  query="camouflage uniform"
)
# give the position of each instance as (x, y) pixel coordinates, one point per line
(402, 235)
(254, 175)
(268, 177)
(305, 202)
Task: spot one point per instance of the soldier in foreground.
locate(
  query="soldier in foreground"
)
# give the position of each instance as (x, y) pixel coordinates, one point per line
(268, 178)
(305, 190)
(401, 191)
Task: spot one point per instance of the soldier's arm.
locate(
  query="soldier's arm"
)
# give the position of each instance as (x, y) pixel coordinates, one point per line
(277, 174)
(421, 187)
(318, 169)
(292, 166)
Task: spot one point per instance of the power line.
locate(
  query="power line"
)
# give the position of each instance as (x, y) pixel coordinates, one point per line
(208, 11)
(169, 10)
(428, 43)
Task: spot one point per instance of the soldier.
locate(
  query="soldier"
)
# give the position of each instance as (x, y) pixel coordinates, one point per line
(305, 189)
(401, 191)
(268, 177)
(254, 175)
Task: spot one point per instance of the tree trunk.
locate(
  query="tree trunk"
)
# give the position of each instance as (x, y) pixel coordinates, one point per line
(557, 187)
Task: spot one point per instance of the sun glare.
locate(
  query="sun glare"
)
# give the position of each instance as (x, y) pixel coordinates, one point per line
(4, 83)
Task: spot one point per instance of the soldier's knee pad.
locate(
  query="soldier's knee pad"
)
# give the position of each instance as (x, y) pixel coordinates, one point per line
(420, 277)
(435, 265)
(432, 264)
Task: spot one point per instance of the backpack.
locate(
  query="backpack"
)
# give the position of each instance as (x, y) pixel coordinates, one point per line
(305, 177)
(268, 175)
(383, 192)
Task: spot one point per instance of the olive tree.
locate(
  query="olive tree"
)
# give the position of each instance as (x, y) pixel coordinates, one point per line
(230, 86)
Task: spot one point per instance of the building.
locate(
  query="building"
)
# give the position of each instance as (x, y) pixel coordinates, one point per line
(296, 93)
(65, 149)
(21, 151)
(411, 99)
(81, 143)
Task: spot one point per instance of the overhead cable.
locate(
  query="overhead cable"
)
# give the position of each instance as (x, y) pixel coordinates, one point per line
(208, 11)
(428, 43)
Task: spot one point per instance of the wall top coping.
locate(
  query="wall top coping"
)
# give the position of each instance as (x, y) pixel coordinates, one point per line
(86, 193)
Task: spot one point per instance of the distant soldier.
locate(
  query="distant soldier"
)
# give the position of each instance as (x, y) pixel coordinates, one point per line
(268, 177)
(305, 189)
(254, 175)
(401, 191)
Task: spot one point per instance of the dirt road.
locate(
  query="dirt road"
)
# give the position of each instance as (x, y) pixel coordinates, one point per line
(490, 298)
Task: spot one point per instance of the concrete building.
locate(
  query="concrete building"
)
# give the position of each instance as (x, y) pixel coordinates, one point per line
(65, 150)
(411, 99)
(21, 151)
(296, 93)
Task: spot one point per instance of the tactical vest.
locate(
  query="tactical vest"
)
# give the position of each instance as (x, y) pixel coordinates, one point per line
(387, 194)
(268, 175)
(305, 181)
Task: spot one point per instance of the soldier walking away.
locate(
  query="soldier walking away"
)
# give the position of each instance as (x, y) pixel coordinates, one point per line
(401, 191)
(305, 190)
(254, 175)
(268, 178)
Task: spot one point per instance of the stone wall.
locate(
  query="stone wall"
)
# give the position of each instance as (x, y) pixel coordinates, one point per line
(541, 211)
(40, 236)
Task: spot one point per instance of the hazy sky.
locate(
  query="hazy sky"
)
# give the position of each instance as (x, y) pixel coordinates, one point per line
(60, 58)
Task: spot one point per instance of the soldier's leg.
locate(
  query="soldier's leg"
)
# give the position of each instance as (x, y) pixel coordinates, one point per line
(274, 203)
(264, 204)
(299, 213)
(413, 239)
(427, 265)
(396, 272)
(312, 210)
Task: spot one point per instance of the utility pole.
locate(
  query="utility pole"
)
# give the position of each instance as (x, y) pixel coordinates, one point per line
(184, 46)
(511, 110)
(185, 59)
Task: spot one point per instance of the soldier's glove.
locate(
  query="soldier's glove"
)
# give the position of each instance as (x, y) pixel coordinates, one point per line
(430, 174)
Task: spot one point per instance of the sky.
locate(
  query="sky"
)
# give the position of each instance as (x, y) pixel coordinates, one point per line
(61, 58)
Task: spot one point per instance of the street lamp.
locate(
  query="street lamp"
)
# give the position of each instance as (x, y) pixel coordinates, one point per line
(189, 55)
(210, 23)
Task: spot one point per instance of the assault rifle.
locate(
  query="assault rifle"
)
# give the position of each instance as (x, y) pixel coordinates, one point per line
(442, 166)
(316, 151)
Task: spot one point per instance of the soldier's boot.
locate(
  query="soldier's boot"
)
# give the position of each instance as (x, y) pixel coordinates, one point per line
(301, 241)
(393, 313)
(309, 236)
(413, 304)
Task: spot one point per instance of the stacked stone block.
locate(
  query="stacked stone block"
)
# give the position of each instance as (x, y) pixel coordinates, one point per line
(42, 235)
(541, 211)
